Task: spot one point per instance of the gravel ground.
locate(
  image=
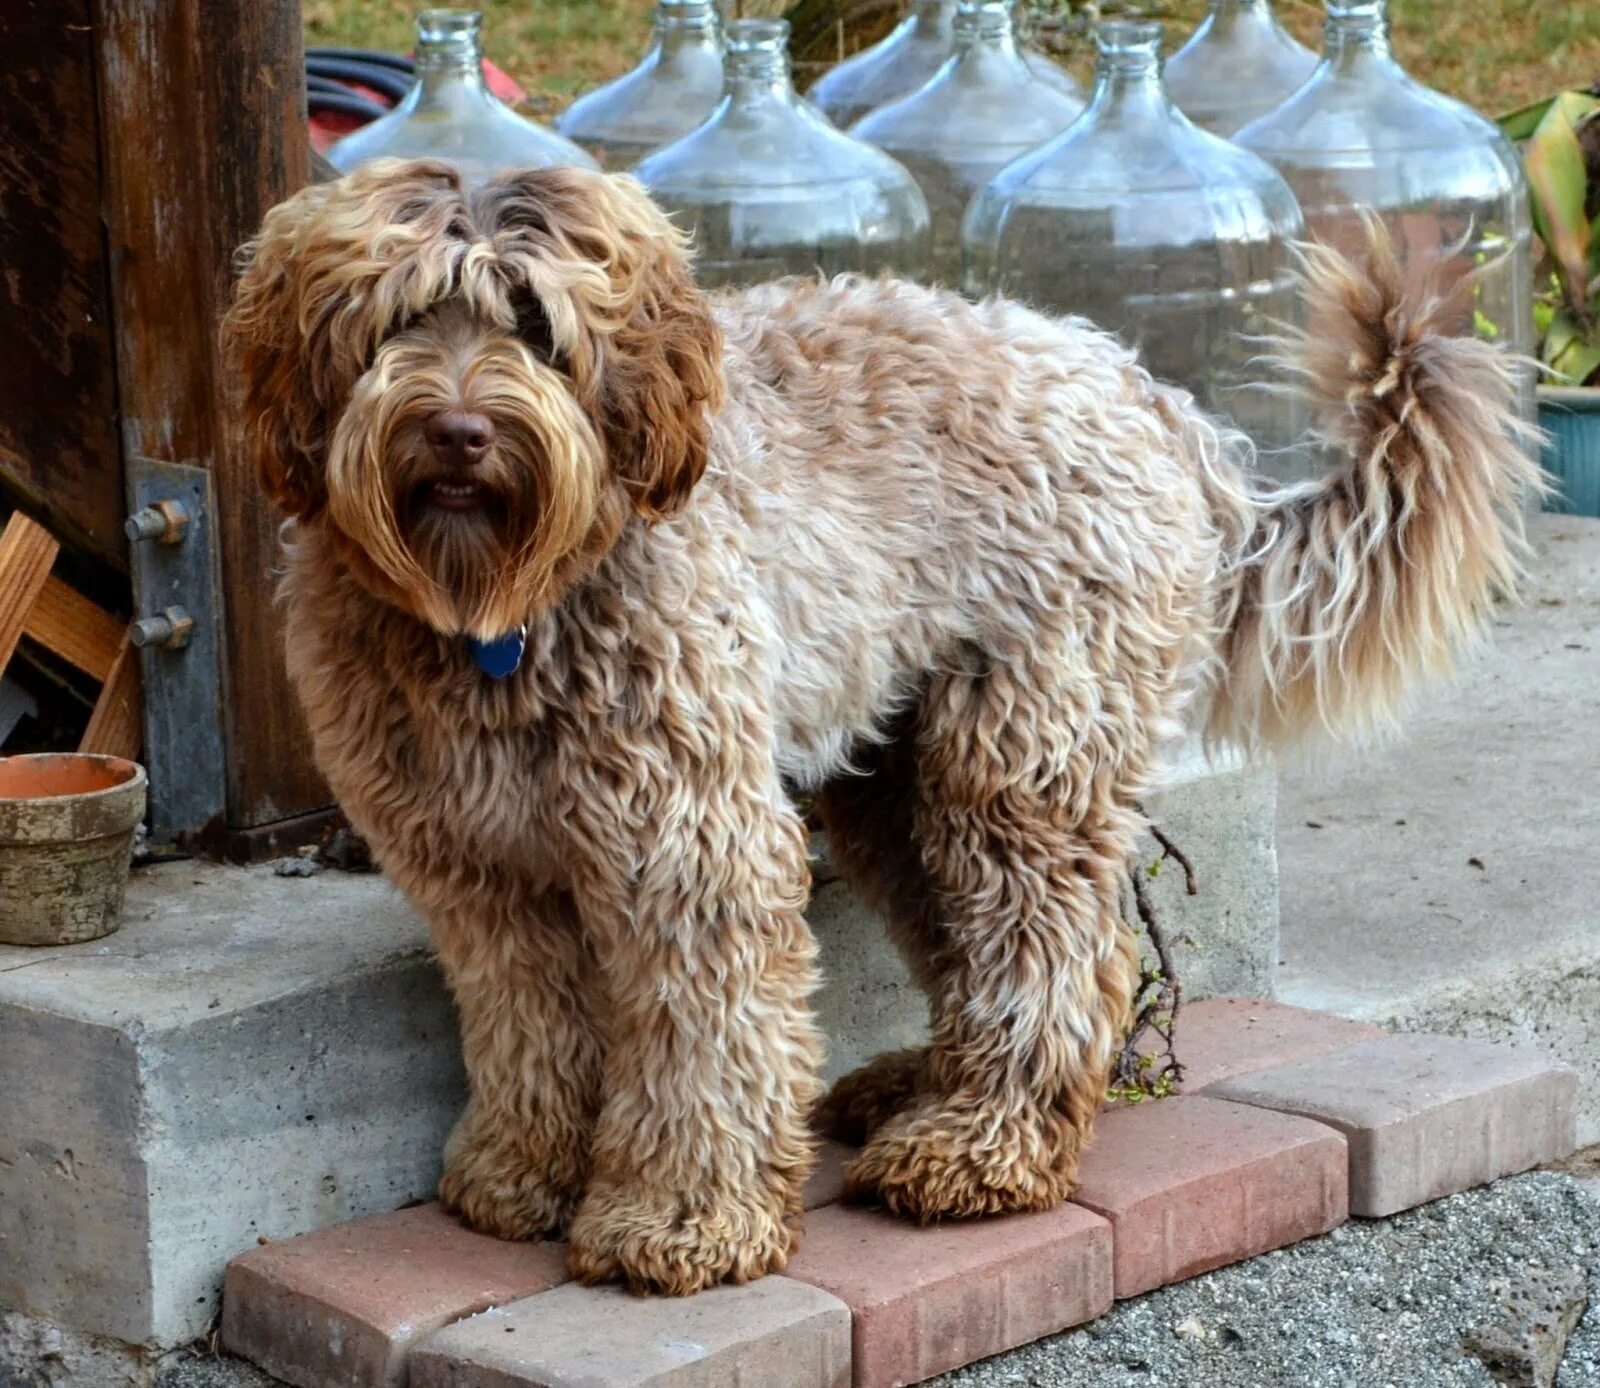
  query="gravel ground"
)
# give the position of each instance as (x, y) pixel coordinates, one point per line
(1379, 1304)
(205, 1370)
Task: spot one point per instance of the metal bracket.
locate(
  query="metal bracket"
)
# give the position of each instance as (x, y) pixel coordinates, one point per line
(178, 629)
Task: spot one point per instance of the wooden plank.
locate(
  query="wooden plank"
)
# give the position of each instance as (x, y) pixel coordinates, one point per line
(27, 550)
(60, 456)
(116, 725)
(202, 112)
(81, 632)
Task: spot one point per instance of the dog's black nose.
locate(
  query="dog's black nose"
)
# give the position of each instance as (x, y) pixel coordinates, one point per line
(459, 438)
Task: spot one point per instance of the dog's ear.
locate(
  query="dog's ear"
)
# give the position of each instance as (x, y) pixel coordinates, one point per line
(650, 369)
(333, 270)
(283, 420)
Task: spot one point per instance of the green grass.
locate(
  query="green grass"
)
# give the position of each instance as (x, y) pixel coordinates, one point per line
(555, 49)
(1495, 54)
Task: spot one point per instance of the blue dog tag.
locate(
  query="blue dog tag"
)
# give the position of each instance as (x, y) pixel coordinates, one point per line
(500, 656)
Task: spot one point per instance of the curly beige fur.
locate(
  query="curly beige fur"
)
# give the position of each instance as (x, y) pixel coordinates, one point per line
(959, 568)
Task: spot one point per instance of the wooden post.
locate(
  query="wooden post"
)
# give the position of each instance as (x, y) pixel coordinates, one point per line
(202, 129)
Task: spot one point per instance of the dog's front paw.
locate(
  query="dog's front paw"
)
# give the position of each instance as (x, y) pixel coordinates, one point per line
(932, 1162)
(500, 1188)
(656, 1241)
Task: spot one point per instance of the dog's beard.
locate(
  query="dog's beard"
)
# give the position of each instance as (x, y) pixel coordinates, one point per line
(486, 569)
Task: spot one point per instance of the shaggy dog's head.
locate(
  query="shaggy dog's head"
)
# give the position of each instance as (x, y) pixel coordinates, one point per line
(470, 390)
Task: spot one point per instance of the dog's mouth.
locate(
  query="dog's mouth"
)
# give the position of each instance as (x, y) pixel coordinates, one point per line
(453, 510)
(451, 496)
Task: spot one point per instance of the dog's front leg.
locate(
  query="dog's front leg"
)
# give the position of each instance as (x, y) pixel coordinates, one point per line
(524, 984)
(702, 1145)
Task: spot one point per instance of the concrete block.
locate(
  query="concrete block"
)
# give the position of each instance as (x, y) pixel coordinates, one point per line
(1194, 1184)
(826, 1182)
(1220, 811)
(867, 1003)
(927, 1299)
(249, 1056)
(777, 1333)
(1425, 1116)
(341, 1308)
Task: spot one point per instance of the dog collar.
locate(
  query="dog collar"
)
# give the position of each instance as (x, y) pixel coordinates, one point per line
(500, 655)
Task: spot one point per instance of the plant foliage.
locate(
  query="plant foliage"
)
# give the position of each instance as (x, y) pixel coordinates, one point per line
(1562, 156)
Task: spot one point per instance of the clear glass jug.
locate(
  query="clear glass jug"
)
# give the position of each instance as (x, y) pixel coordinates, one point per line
(1363, 134)
(769, 188)
(1154, 229)
(674, 88)
(902, 61)
(451, 114)
(1239, 64)
(981, 110)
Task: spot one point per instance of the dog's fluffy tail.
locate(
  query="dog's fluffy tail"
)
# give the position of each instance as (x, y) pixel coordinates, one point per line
(1351, 587)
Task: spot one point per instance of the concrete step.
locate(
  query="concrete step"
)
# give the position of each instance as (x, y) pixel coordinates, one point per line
(255, 1056)
(1450, 882)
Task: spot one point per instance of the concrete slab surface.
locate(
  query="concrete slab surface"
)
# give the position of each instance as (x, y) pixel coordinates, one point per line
(1450, 881)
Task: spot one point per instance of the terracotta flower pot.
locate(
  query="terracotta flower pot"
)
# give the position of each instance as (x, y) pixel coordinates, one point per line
(66, 839)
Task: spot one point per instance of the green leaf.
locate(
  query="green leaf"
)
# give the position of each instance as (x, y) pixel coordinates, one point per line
(1560, 333)
(1522, 122)
(1579, 362)
(1558, 181)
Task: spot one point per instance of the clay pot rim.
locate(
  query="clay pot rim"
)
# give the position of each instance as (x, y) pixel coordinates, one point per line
(132, 777)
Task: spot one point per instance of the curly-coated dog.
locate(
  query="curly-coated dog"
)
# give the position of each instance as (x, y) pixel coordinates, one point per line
(957, 568)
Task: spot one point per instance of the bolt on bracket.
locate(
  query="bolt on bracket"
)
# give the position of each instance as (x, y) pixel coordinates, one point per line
(178, 630)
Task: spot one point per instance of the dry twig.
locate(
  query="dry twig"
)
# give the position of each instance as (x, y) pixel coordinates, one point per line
(1138, 1072)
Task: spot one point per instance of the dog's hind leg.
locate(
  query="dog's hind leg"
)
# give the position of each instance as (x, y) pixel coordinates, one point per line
(1025, 818)
(525, 987)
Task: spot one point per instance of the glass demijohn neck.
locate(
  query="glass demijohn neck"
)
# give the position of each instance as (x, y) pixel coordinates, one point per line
(757, 61)
(1356, 32)
(449, 59)
(1226, 14)
(685, 23)
(1128, 86)
(985, 25)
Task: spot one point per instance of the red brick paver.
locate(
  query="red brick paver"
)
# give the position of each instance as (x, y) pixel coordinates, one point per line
(923, 1300)
(1289, 1120)
(775, 1333)
(1426, 1115)
(1191, 1184)
(342, 1307)
(1222, 1037)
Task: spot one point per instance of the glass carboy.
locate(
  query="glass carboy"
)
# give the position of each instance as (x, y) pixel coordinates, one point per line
(451, 114)
(1239, 64)
(902, 61)
(1169, 236)
(670, 92)
(981, 110)
(1363, 134)
(769, 188)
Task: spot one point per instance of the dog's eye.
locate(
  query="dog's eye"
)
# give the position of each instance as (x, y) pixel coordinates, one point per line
(533, 327)
(404, 323)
